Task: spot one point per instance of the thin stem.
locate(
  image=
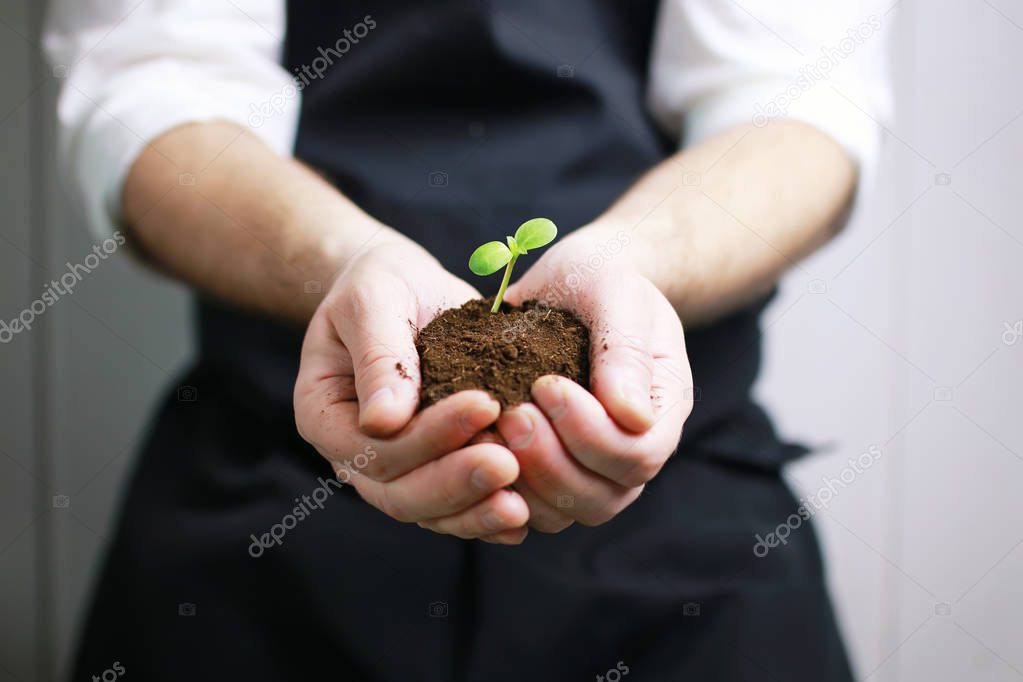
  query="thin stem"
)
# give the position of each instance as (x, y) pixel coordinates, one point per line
(504, 283)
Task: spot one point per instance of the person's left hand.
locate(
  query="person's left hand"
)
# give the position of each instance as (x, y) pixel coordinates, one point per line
(585, 455)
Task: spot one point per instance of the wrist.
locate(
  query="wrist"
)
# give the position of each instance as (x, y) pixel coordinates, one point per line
(642, 248)
(606, 241)
(383, 248)
(341, 234)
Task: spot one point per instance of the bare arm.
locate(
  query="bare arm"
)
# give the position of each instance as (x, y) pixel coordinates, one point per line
(254, 227)
(719, 222)
(765, 198)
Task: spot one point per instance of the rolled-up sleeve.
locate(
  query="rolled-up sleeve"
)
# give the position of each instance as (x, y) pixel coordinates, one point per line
(719, 63)
(133, 70)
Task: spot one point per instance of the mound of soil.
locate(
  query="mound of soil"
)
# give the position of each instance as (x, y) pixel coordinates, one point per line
(501, 353)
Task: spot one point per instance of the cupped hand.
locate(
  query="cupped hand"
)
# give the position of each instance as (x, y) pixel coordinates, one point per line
(585, 455)
(357, 393)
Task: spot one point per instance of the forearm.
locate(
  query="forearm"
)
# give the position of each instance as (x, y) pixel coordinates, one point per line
(212, 205)
(717, 224)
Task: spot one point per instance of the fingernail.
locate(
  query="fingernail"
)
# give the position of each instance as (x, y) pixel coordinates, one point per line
(382, 399)
(484, 478)
(517, 428)
(491, 521)
(549, 394)
(637, 397)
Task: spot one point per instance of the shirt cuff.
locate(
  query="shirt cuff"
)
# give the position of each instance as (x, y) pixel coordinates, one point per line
(823, 107)
(118, 130)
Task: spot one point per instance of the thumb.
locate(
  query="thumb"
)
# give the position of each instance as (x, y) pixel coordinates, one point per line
(379, 336)
(622, 364)
(621, 378)
(616, 308)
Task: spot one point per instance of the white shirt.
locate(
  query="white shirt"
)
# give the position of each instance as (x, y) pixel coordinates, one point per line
(134, 69)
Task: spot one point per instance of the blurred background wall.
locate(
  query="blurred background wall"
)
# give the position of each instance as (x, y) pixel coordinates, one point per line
(900, 340)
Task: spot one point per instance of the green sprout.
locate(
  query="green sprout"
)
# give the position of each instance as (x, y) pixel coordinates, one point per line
(492, 256)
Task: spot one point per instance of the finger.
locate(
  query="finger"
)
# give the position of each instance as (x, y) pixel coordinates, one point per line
(436, 431)
(374, 321)
(504, 510)
(508, 537)
(554, 474)
(445, 486)
(597, 442)
(542, 516)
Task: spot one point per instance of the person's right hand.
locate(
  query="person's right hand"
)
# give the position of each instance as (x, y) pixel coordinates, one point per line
(357, 393)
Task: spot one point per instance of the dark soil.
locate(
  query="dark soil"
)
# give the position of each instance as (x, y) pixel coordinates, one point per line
(501, 353)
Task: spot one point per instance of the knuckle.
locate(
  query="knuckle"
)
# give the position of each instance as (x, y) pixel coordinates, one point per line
(542, 474)
(589, 444)
(621, 502)
(450, 495)
(474, 526)
(550, 523)
(595, 515)
(446, 435)
(391, 506)
(441, 435)
(602, 511)
(379, 470)
(640, 468)
(465, 526)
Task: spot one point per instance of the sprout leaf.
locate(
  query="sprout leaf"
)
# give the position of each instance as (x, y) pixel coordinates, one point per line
(492, 256)
(535, 233)
(489, 258)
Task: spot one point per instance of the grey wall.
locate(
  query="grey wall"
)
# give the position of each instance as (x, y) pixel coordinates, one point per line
(77, 388)
(19, 508)
(902, 351)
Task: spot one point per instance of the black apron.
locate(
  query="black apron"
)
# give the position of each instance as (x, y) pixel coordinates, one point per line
(452, 122)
